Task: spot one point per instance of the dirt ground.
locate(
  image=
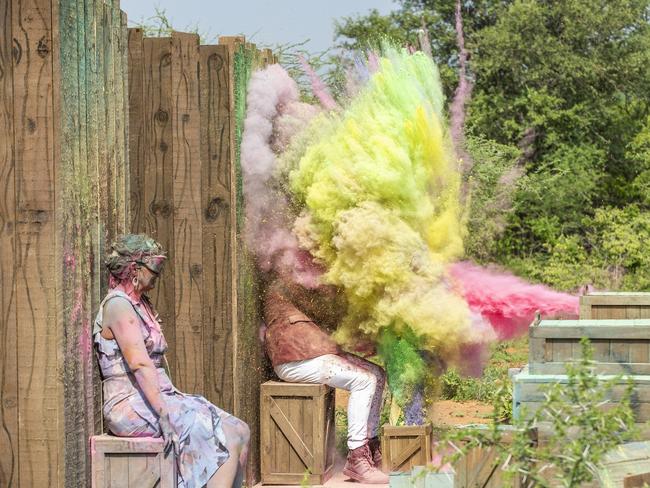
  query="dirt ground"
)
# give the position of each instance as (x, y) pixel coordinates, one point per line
(442, 412)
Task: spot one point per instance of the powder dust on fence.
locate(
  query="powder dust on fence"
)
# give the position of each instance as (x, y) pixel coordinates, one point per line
(102, 132)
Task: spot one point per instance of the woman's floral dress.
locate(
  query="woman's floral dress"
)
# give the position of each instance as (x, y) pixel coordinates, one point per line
(197, 422)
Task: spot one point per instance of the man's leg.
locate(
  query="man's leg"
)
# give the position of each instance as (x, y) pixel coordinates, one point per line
(375, 406)
(338, 372)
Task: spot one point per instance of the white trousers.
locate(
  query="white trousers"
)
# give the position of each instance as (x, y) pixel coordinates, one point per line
(363, 379)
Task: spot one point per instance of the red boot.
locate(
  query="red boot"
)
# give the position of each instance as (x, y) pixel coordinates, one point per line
(360, 468)
(374, 445)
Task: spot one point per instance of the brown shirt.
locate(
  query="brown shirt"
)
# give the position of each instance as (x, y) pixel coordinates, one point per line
(291, 335)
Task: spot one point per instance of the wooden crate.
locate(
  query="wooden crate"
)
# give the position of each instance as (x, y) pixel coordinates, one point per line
(406, 446)
(123, 462)
(620, 346)
(480, 466)
(297, 433)
(528, 392)
(612, 305)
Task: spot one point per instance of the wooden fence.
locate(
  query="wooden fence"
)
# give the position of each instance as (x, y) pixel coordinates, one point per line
(63, 167)
(184, 171)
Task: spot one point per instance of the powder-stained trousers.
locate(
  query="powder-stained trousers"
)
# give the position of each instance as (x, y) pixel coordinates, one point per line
(363, 379)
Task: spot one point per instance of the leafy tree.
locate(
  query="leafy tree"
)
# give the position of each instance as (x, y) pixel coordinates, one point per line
(436, 16)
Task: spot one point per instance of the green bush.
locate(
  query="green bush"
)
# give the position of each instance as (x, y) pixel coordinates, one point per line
(582, 431)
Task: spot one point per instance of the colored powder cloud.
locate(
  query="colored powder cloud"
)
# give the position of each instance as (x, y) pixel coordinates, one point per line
(508, 302)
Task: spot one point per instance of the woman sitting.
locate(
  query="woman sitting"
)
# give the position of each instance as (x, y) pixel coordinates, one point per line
(139, 399)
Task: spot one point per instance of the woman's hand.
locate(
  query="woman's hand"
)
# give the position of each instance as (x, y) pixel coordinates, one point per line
(169, 434)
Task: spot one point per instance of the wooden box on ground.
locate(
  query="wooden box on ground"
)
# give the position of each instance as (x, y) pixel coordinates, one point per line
(297, 432)
(612, 305)
(406, 446)
(620, 346)
(123, 462)
(480, 466)
(528, 392)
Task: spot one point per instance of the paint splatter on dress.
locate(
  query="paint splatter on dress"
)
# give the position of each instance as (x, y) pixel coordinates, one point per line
(197, 422)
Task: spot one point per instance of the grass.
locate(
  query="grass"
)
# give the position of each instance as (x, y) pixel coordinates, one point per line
(494, 385)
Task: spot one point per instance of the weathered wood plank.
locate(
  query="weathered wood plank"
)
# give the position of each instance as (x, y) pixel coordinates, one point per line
(39, 392)
(110, 149)
(9, 457)
(600, 368)
(158, 176)
(118, 48)
(124, 45)
(633, 331)
(136, 100)
(187, 212)
(217, 249)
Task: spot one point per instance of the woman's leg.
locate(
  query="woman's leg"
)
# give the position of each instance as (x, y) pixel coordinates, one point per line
(231, 473)
(339, 372)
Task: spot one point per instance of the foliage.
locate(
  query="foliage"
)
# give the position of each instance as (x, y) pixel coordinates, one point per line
(493, 179)
(565, 83)
(159, 25)
(583, 432)
(494, 386)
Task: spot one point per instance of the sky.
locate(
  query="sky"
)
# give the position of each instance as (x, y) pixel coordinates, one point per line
(265, 22)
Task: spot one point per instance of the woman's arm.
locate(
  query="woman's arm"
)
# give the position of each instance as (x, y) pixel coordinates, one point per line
(123, 322)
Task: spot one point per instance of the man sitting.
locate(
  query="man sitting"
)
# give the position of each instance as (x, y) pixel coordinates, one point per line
(302, 352)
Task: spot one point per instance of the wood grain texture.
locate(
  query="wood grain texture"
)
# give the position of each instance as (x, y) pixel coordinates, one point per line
(136, 102)
(296, 434)
(405, 447)
(216, 200)
(38, 343)
(188, 252)
(157, 191)
(8, 327)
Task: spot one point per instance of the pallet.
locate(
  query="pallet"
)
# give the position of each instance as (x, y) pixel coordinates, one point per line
(406, 446)
(620, 346)
(297, 433)
(123, 462)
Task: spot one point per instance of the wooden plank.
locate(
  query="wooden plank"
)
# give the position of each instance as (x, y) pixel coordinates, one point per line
(216, 199)
(9, 456)
(188, 250)
(277, 388)
(617, 298)
(136, 101)
(282, 443)
(599, 368)
(124, 45)
(38, 341)
(76, 237)
(640, 351)
(158, 176)
(118, 45)
(105, 202)
(109, 119)
(562, 350)
(117, 470)
(266, 448)
(144, 470)
(314, 413)
(603, 332)
(294, 413)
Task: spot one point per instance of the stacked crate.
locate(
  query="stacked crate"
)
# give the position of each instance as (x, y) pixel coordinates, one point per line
(619, 336)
